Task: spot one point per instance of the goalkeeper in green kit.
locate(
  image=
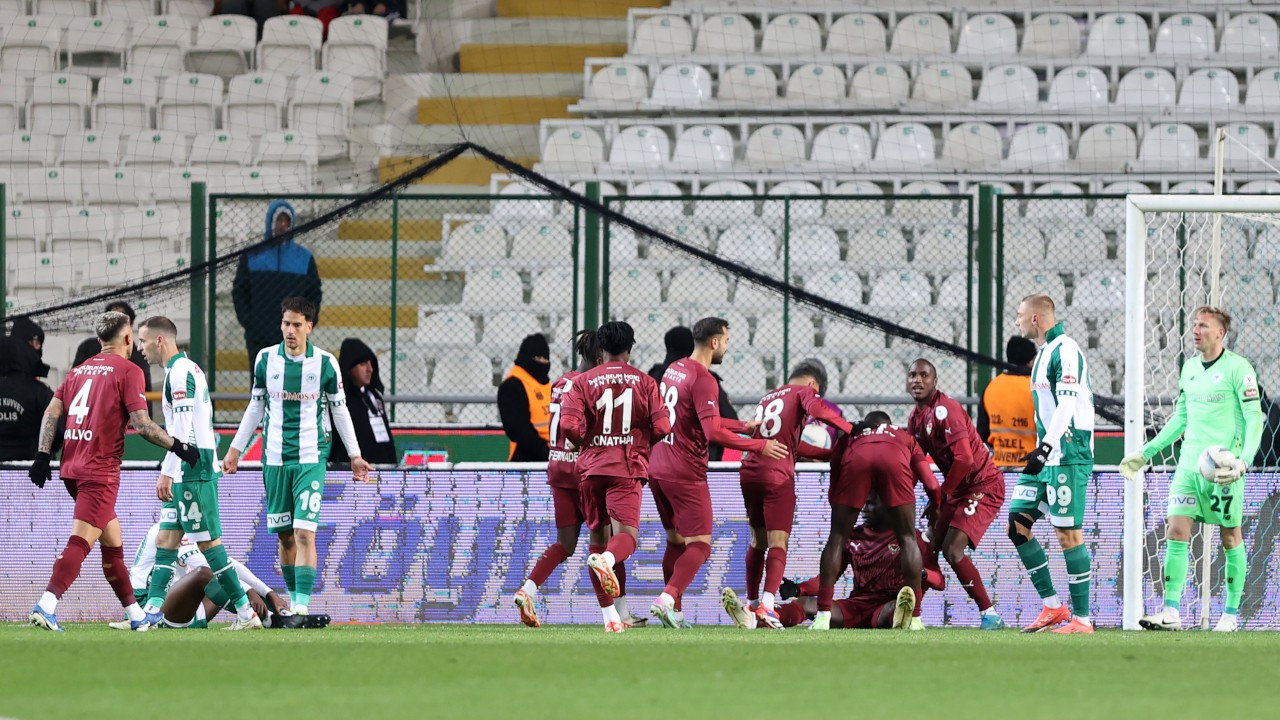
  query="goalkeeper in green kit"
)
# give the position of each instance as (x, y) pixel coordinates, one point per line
(1219, 410)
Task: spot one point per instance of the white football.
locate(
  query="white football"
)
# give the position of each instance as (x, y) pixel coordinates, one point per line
(1214, 457)
(816, 435)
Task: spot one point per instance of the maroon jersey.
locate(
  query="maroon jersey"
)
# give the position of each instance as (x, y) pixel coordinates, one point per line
(561, 464)
(873, 556)
(613, 414)
(944, 431)
(692, 398)
(97, 397)
(782, 415)
(891, 443)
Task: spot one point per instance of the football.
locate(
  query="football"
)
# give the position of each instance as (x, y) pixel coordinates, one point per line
(1214, 457)
(816, 434)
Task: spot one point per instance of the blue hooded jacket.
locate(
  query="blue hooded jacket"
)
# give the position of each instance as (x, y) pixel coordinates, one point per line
(268, 275)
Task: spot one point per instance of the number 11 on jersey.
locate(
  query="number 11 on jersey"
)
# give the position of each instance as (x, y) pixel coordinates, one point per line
(607, 404)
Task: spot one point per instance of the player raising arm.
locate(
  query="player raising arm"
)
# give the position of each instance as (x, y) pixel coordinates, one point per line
(1218, 405)
(614, 415)
(101, 392)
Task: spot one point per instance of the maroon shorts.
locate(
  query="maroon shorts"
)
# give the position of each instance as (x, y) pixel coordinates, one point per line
(770, 505)
(865, 471)
(860, 610)
(683, 506)
(567, 503)
(969, 512)
(605, 497)
(95, 501)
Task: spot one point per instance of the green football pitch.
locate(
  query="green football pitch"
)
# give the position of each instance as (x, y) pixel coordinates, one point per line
(468, 671)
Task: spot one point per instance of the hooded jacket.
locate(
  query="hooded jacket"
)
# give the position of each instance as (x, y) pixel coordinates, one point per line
(23, 399)
(367, 408)
(269, 274)
(524, 400)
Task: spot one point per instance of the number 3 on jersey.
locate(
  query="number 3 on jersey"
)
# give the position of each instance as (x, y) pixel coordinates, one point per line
(79, 408)
(610, 406)
(670, 396)
(770, 418)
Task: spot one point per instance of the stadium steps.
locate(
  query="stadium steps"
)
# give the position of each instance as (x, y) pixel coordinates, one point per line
(464, 170)
(533, 58)
(514, 110)
(375, 268)
(573, 8)
(428, 230)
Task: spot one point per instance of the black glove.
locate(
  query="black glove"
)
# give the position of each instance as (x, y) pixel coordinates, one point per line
(189, 454)
(789, 589)
(1036, 459)
(40, 472)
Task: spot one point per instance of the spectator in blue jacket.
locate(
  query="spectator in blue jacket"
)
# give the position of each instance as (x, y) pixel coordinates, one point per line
(269, 274)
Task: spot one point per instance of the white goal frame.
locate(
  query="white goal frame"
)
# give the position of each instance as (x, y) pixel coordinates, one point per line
(1135, 396)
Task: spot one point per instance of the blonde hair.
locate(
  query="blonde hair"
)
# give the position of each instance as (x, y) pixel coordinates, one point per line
(1218, 313)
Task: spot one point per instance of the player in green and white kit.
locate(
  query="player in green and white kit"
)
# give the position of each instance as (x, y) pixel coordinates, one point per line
(1218, 404)
(296, 388)
(189, 492)
(1056, 479)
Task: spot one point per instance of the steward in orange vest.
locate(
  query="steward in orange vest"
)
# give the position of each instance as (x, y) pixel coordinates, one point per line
(524, 400)
(1006, 417)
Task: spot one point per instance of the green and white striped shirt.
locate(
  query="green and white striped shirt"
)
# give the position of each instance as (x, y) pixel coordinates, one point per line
(188, 416)
(1061, 387)
(293, 399)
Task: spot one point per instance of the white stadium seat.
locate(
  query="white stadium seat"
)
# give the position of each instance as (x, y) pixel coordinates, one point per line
(953, 293)
(475, 242)
(322, 105)
(152, 227)
(684, 85)
(649, 210)
(722, 211)
(1078, 245)
(13, 101)
(727, 34)
(502, 328)
(1263, 94)
(619, 82)
(460, 373)
(357, 46)
(875, 376)
(697, 285)
(687, 233)
(1051, 35)
(1078, 88)
(23, 151)
(218, 150)
(522, 200)
(905, 146)
(816, 83)
(1245, 135)
(541, 243)
(1009, 88)
(841, 147)
(492, 288)
(127, 10)
(1118, 35)
(26, 230)
(943, 86)
(858, 34)
(751, 245)
(856, 209)
(901, 290)
(59, 103)
(776, 147)
(772, 332)
(814, 246)
(940, 248)
(1023, 245)
(1108, 147)
(255, 103)
(121, 188)
(96, 46)
(989, 36)
(880, 85)
(1185, 36)
(792, 34)
(189, 103)
(90, 150)
(972, 146)
(549, 286)
(1249, 35)
(62, 8)
(158, 45)
(795, 206)
(77, 230)
(649, 323)
(703, 147)
(837, 285)
(124, 103)
(748, 83)
(881, 246)
(1210, 89)
(845, 338)
(224, 45)
(925, 210)
(1169, 146)
(294, 154)
(1038, 147)
(635, 286)
(572, 149)
(155, 150)
(1018, 286)
(921, 34)
(290, 44)
(663, 35)
(1146, 88)
(30, 46)
(743, 373)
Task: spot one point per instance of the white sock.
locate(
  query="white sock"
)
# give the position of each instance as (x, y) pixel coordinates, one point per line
(679, 615)
(1085, 619)
(1172, 611)
(608, 558)
(766, 599)
(245, 613)
(1227, 614)
(667, 600)
(1052, 602)
(200, 614)
(992, 610)
(134, 612)
(610, 614)
(530, 589)
(621, 604)
(48, 603)
(822, 613)
(150, 607)
(300, 610)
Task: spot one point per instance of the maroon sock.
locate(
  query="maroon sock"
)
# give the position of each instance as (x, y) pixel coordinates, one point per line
(809, 588)
(550, 560)
(971, 580)
(791, 614)
(825, 595)
(774, 568)
(755, 571)
(621, 545)
(117, 574)
(621, 571)
(669, 558)
(691, 560)
(66, 567)
(601, 596)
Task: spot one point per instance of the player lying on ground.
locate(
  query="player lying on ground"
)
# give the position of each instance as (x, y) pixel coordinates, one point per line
(881, 596)
(1218, 412)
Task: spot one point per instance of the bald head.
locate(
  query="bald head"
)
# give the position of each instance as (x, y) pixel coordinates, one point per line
(1036, 316)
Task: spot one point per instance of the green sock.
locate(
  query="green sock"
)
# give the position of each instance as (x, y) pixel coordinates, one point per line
(1037, 565)
(289, 578)
(1175, 572)
(225, 573)
(1237, 569)
(1079, 573)
(161, 575)
(306, 580)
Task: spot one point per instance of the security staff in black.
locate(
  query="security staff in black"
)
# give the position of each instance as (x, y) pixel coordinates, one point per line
(23, 398)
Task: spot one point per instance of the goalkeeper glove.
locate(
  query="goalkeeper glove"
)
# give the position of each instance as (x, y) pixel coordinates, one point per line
(1132, 464)
(1230, 468)
(39, 471)
(189, 454)
(1036, 459)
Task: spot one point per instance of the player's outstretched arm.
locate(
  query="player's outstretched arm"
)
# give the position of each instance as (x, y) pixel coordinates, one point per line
(818, 410)
(1171, 431)
(40, 472)
(140, 421)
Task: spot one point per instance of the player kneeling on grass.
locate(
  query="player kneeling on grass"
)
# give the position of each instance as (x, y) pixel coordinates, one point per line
(881, 597)
(1219, 415)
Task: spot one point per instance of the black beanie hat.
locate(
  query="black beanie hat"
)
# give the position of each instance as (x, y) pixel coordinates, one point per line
(533, 346)
(1019, 350)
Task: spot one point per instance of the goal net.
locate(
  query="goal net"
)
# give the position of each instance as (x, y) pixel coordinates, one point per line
(1182, 252)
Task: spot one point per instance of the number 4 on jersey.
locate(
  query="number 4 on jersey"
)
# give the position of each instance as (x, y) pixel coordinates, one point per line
(79, 408)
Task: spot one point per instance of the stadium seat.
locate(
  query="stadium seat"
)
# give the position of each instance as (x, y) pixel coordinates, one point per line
(772, 332)
(684, 85)
(775, 147)
(855, 209)
(62, 8)
(972, 146)
(541, 244)
(1023, 245)
(634, 287)
(44, 276)
(124, 103)
(22, 151)
(224, 46)
(728, 34)
(663, 35)
(11, 10)
(459, 373)
(792, 34)
(570, 150)
(189, 103)
(75, 230)
(931, 210)
(697, 286)
(501, 329)
(290, 44)
(816, 84)
(1039, 147)
(743, 373)
(878, 246)
(158, 45)
(26, 232)
(1192, 187)
(1109, 148)
(880, 85)
(254, 103)
(1057, 200)
(1210, 90)
(30, 46)
(814, 246)
(59, 103)
(901, 290)
(127, 10)
(841, 148)
(703, 147)
(875, 376)
(651, 323)
(522, 201)
(1185, 36)
(988, 36)
(322, 105)
(1146, 89)
(550, 286)
(90, 150)
(1078, 88)
(650, 210)
(13, 101)
(155, 150)
(752, 245)
(96, 46)
(639, 147)
(292, 154)
(1262, 337)
(1169, 146)
(920, 34)
(841, 286)
(845, 338)
(1263, 93)
(940, 249)
(218, 151)
(619, 82)
(622, 245)
(119, 189)
(905, 146)
(1117, 36)
(795, 207)
(1249, 135)
(687, 233)
(720, 206)
(357, 46)
(954, 292)
(857, 34)
(1249, 36)
(947, 85)
(1009, 88)
(474, 242)
(1020, 285)
(493, 287)
(749, 83)
(1078, 245)
(1051, 35)
(148, 227)
(1126, 187)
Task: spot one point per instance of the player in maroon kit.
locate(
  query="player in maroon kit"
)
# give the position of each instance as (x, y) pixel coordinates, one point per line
(883, 458)
(972, 490)
(769, 485)
(678, 473)
(98, 395)
(614, 415)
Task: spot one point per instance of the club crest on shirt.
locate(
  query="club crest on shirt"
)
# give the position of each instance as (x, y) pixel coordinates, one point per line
(893, 548)
(1217, 377)
(940, 412)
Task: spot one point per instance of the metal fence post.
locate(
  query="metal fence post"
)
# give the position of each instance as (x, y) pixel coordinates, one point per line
(4, 289)
(592, 297)
(786, 297)
(199, 279)
(395, 282)
(986, 269)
